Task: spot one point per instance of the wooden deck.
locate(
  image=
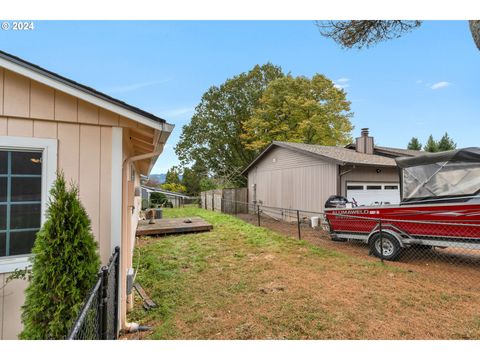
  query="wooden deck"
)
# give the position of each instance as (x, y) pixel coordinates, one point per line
(172, 226)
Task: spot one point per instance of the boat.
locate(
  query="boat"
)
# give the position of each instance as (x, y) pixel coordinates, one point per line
(439, 207)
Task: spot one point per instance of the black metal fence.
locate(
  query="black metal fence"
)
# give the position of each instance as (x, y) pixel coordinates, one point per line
(418, 246)
(98, 319)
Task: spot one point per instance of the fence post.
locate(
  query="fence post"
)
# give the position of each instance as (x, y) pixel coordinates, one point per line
(258, 214)
(104, 303)
(235, 201)
(381, 239)
(213, 200)
(117, 289)
(100, 305)
(298, 225)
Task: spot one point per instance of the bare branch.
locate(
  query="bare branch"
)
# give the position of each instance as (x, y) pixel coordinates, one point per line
(364, 33)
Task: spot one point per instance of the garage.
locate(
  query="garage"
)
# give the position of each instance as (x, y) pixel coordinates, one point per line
(373, 193)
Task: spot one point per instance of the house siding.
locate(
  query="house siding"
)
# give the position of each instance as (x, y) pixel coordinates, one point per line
(288, 179)
(84, 135)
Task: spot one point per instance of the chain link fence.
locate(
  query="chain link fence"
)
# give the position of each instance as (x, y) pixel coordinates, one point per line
(98, 319)
(443, 250)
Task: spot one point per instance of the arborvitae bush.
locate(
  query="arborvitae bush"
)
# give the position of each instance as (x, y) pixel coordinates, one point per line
(65, 264)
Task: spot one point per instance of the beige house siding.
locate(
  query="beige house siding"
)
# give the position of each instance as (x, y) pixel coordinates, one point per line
(367, 174)
(288, 179)
(84, 135)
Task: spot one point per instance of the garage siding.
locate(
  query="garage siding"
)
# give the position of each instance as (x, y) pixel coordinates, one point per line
(367, 174)
(288, 179)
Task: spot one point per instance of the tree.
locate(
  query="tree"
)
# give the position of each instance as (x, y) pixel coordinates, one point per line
(414, 144)
(172, 176)
(174, 187)
(157, 199)
(431, 145)
(208, 184)
(64, 266)
(446, 143)
(213, 135)
(365, 33)
(300, 109)
(192, 177)
(475, 30)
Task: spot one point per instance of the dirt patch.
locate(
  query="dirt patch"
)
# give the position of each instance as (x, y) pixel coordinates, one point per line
(456, 267)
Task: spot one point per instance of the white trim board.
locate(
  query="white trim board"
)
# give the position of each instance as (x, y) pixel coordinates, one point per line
(71, 90)
(49, 171)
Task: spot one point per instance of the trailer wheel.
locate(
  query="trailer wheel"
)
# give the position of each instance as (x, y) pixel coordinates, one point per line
(391, 246)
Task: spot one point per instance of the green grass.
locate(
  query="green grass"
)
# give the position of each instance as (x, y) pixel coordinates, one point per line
(240, 281)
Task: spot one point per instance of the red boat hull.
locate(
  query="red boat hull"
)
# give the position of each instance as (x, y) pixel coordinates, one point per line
(445, 221)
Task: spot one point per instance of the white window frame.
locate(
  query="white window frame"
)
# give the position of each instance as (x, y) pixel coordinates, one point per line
(49, 148)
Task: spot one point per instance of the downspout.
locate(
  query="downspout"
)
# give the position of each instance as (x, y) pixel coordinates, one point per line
(131, 327)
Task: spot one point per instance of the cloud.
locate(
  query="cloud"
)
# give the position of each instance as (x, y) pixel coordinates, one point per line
(132, 87)
(440, 85)
(341, 83)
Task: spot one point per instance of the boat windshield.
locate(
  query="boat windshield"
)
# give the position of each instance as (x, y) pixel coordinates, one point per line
(441, 179)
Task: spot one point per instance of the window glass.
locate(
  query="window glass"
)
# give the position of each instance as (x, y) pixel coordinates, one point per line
(3, 217)
(25, 216)
(355, 187)
(21, 242)
(26, 189)
(3, 189)
(20, 200)
(29, 163)
(374, 187)
(3, 162)
(391, 187)
(3, 244)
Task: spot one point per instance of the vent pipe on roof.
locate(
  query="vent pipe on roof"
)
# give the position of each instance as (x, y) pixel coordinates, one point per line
(364, 143)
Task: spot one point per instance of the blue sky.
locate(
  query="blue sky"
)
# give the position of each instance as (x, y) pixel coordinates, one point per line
(426, 82)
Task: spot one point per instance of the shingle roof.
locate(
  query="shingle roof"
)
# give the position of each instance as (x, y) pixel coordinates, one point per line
(340, 154)
(337, 154)
(403, 152)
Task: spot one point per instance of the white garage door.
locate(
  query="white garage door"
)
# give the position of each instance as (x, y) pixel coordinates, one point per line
(373, 193)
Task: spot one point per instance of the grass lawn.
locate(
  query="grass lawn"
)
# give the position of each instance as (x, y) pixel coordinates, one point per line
(240, 281)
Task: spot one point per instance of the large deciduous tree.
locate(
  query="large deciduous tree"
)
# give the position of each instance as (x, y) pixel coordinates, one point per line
(213, 135)
(365, 33)
(299, 109)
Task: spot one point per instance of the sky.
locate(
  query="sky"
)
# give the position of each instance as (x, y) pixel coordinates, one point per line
(426, 82)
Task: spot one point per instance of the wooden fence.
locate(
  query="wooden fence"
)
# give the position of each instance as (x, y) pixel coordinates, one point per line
(230, 201)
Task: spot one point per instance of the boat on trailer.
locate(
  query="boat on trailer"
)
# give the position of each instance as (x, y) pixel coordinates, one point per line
(440, 207)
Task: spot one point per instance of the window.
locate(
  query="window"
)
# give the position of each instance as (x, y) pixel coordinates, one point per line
(27, 171)
(374, 187)
(20, 200)
(355, 187)
(391, 187)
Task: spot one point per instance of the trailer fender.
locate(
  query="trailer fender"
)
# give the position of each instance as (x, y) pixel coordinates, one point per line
(387, 231)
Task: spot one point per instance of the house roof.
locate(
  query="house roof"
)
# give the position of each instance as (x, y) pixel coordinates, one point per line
(337, 154)
(37, 73)
(392, 151)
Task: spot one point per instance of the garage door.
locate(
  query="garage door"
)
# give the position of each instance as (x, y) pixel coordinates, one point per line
(373, 193)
